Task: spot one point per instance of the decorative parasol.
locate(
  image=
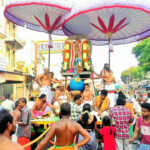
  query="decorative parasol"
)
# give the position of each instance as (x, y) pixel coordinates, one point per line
(39, 15)
(111, 22)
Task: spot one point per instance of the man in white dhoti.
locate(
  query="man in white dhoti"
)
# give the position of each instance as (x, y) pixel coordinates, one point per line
(45, 81)
(108, 83)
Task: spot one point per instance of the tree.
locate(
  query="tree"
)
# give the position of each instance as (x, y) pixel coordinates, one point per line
(131, 74)
(142, 53)
(125, 76)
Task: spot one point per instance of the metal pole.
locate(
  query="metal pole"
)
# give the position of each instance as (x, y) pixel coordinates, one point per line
(109, 57)
(110, 50)
(49, 49)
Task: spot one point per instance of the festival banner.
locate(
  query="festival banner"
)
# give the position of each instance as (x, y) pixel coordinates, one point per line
(58, 46)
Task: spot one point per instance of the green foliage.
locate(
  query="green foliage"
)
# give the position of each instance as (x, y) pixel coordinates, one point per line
(142, 53)
(131, 74)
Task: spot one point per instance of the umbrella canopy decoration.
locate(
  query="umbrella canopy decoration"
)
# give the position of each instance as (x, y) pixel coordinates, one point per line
(26, 12)
(110, 22)
(103, 21)
(39, 15)
(121, 21)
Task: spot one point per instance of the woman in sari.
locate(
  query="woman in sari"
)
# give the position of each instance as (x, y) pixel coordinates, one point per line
(88, 122)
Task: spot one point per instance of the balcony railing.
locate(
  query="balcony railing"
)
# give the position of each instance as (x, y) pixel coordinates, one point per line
(14, 44)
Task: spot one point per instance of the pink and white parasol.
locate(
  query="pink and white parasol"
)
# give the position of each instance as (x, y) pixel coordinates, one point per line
(110, 21)
(121, 21)
(40, 15)
(37, 14)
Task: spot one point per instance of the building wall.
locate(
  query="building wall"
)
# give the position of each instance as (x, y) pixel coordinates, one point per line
(9, 29)
(8, 53)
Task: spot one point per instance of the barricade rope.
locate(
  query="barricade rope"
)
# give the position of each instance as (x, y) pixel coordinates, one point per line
(38, 138)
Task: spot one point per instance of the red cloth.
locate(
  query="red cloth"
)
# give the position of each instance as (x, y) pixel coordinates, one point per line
(109, 139)
(111, 92)
(23, 141)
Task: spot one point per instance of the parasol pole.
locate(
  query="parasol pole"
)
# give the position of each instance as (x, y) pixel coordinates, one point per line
(36, 59)
(49, 48)
(110, 48)
(109, 54)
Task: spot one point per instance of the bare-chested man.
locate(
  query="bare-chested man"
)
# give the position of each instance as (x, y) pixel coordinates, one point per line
(45, 81)
(107, 75)
(65, 131)
(62, 94)
(16, 113)
(16, 116)
(41, 107)
(87, 95)
(108, 82)
(7, 144)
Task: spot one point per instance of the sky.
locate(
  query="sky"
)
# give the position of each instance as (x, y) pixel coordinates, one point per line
(121, 59)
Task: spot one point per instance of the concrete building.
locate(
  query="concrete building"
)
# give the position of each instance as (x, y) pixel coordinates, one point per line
(12, 80)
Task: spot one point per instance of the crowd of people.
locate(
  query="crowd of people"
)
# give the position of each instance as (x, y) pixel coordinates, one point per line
(86, 122)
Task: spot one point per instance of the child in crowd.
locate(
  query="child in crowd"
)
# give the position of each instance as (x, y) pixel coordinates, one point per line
(108, 133)
(143, 127)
